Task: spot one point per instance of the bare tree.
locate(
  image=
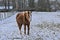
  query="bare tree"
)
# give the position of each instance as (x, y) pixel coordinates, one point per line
(48, 5)
(17, 5)
(43, 5)
(14, 4)
(31, 3)
(4, 1)
(8, 4)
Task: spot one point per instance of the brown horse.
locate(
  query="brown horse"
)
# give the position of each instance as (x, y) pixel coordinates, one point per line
(23, 18)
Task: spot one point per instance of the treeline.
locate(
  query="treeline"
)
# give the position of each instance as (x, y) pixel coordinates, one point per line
(34, 5)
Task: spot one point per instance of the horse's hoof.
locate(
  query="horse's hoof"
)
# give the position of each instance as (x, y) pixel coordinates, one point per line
(24, 33)
(27, 34)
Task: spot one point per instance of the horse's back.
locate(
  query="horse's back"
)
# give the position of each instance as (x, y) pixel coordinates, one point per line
(19, 18)
(19, 14)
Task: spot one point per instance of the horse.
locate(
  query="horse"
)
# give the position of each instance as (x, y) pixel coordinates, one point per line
(24, 18)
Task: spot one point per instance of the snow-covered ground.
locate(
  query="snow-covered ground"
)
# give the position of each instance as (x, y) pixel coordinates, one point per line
(44, 26)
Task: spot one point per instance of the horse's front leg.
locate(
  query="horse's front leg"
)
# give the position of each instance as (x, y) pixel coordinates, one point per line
(24, 28)
(20, 26)
(28, 28)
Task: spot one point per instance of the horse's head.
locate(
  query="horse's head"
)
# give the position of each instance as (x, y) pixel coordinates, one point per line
(29, 15)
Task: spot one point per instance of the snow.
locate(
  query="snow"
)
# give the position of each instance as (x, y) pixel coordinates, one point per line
(44, 26)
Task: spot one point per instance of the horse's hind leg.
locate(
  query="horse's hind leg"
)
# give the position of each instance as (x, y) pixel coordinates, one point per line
(24, 29)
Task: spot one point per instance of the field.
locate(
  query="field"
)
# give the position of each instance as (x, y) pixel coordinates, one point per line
(44, 26)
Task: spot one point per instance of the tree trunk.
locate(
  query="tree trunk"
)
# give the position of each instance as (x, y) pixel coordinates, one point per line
(8, 5)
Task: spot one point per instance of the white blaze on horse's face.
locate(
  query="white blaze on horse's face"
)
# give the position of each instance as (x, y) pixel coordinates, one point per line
(30, 15)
